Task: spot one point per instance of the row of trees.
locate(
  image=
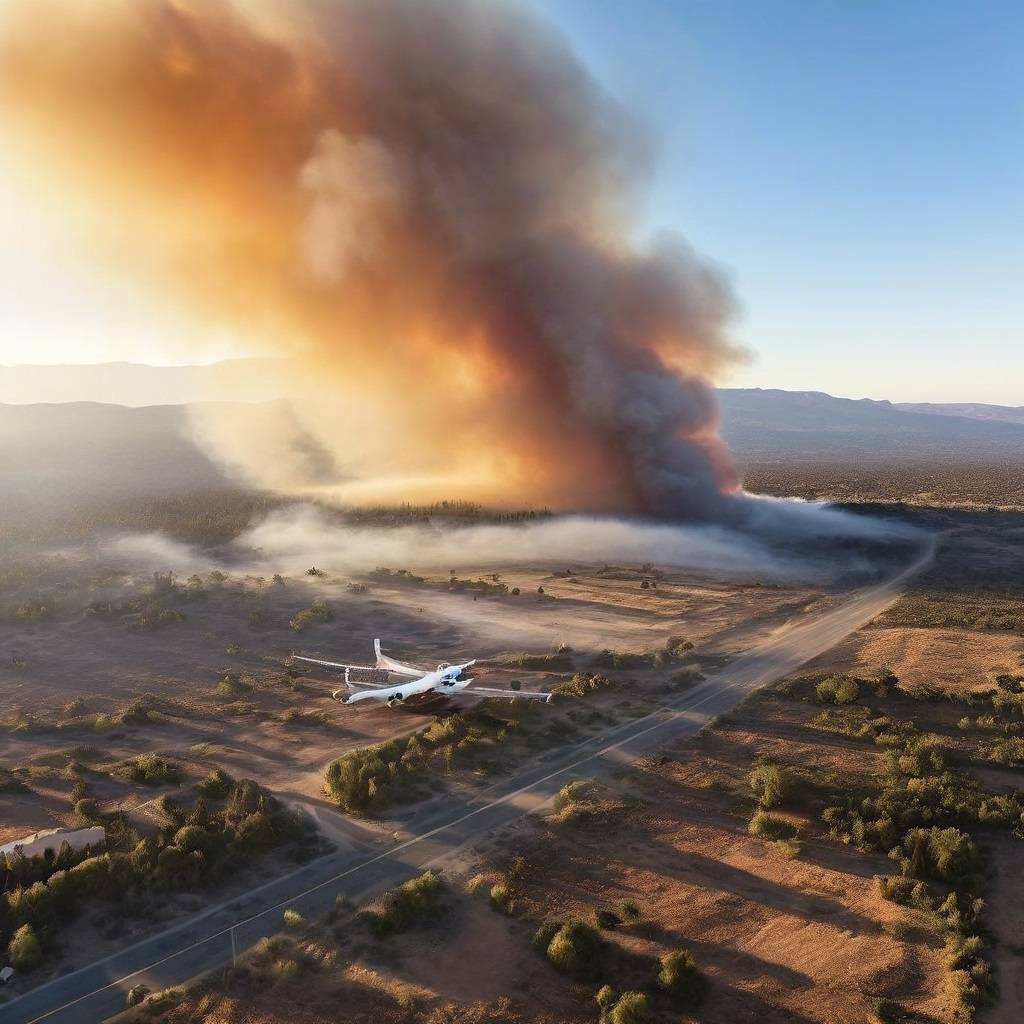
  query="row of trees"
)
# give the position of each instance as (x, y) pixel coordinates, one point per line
(195, 846)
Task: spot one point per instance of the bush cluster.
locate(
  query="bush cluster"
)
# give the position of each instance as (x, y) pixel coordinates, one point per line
(319, 611)
(770, 784)
(838, 690)
(921, 812)
(150, 770)
(581, 684)
(411, 903)
(191, 849)
(371, 777)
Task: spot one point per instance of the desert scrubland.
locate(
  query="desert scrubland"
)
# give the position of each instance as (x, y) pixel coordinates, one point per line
(840, 847)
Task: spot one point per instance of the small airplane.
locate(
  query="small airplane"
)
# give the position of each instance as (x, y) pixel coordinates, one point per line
(445, 680)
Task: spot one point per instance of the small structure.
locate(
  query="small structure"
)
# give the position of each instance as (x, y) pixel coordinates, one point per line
(6, 974)
(54, 839)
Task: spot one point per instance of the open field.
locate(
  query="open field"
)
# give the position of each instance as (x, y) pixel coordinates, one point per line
(782, 913)
(105, 666)
(783, 924)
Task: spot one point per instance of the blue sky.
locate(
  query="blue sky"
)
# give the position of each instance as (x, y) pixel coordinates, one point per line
(857, 168)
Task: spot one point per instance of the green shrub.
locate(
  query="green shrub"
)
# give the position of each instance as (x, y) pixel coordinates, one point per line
(790, 848)
(405, 906)
(888, 1011)
(165, 1000)
(678, 646)
(136, 994)
(632, 1008)
(234, 685)
(1009, 752)
(216, 785)
(150, 770)
(24, 951)
(247, 798)
(501, 898)
(605, 998)
(318, 612)
(560, 661)
(838, 690)
(581, 684)
(87, 809)
(191, 838)
(545, 933)
(767, 826)
(947, 854)
(770, 784)
(363, 778)
(293, 919)
(575, 949)
(579, 791)
(680, 977)
(630, 909)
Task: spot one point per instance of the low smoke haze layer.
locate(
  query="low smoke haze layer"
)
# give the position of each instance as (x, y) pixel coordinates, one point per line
(292, 540)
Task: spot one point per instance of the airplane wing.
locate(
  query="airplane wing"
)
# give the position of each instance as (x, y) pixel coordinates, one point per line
(384, 662)
(340, 665)
(490, 691)
(335, 664)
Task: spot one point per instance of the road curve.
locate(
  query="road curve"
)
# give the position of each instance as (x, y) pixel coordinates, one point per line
(208, 941)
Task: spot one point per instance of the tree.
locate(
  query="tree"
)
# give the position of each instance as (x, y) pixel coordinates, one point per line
(770, 783)
(24, 951)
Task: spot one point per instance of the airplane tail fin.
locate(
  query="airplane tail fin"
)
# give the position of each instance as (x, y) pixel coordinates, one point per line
(381, 661)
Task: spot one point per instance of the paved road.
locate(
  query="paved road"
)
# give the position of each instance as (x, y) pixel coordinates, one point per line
(359, 870)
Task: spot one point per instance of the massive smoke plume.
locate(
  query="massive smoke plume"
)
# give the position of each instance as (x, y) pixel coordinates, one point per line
(427, 201)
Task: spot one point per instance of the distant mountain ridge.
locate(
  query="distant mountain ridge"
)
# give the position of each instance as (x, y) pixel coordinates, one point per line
(80, 450)
(969, 410)
(761, 423)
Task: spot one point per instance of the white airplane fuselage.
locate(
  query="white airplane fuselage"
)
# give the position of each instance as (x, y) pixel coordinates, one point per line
(444, 679)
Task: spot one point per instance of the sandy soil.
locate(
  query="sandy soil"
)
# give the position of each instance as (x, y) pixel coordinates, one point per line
(73, 668)
(68, 654)
(780, 939)
(942, 657)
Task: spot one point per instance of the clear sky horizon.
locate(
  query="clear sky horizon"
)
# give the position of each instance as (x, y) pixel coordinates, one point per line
(854, 168)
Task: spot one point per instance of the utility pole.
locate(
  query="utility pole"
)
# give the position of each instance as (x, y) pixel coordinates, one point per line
(234, 950)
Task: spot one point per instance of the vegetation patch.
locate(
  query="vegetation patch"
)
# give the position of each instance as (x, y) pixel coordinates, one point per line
(581, 685)
(195, 847)
(317, 613)
(412, 903)
(573, 947)
(149, 770)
